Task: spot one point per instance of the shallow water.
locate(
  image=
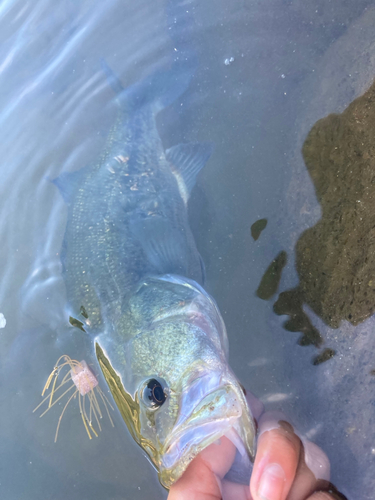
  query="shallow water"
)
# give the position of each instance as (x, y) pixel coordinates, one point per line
(293, 63)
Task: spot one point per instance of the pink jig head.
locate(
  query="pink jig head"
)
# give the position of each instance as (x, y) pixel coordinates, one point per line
(83, 378)
(84, 384)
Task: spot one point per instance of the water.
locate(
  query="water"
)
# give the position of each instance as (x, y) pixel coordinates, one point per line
(266, 73)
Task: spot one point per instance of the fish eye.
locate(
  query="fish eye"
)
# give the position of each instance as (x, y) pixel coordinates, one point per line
(153, 394)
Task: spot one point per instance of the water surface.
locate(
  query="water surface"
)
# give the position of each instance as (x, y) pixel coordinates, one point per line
(266, 73)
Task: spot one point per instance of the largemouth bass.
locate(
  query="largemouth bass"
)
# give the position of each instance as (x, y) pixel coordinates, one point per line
(134, 282)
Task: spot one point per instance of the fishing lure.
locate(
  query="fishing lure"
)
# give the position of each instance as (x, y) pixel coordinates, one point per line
(84, 383)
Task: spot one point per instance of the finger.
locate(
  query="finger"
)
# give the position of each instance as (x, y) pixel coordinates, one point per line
(313, 472)
(276, 460)
(235, 491)
(316, 460)
(331, 493)
(201, 480)
(323, 495)
(197, 483)
(304, 484)
(219, 456)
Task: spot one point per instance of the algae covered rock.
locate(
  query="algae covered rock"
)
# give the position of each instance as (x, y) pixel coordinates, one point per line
(336, 257)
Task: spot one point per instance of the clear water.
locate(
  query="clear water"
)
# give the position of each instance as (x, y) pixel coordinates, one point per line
(267, 71)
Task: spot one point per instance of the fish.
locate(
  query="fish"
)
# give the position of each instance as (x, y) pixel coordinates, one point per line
(135, 284)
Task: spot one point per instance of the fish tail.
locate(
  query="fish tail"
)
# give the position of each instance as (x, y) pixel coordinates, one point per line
(157, 91)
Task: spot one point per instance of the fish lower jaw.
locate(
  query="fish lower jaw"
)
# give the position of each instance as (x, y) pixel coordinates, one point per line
(182, 451)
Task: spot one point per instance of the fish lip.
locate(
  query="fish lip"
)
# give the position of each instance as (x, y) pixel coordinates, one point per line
(215, 429)
(202, 426)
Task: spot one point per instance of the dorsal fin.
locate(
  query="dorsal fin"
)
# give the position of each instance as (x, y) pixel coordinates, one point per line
(188, 160)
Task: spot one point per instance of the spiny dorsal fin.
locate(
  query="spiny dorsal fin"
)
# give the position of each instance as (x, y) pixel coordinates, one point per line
(188, 160)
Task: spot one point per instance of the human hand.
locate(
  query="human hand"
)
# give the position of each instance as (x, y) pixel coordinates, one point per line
(284, 468)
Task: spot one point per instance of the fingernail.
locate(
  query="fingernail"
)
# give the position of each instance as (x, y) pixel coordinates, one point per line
(272, 482)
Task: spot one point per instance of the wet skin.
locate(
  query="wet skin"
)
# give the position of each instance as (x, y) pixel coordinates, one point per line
(280, 453)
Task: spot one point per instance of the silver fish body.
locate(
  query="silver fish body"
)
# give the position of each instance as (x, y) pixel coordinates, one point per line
(132, 273)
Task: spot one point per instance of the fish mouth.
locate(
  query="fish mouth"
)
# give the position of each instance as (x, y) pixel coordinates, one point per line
(210, 409)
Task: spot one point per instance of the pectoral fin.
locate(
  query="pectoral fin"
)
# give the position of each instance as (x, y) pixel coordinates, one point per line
(165, 246)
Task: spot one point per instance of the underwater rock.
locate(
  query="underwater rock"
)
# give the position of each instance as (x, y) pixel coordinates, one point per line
(257, 228)
(271, 278)
(325, 355)
(334, 258)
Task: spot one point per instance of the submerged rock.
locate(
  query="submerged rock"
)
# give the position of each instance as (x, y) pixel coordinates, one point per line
(257, 228)
(271, 278)
(335, 257)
